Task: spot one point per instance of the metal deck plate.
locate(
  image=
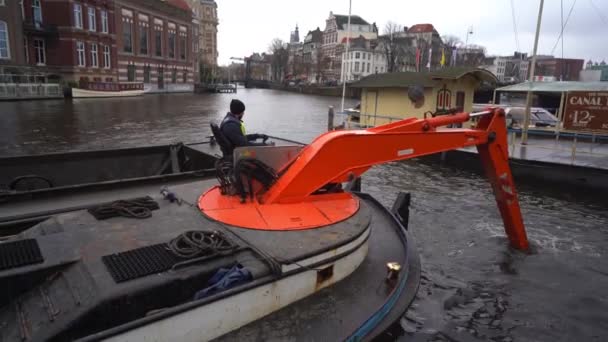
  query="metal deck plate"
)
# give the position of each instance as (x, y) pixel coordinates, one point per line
(19, 253)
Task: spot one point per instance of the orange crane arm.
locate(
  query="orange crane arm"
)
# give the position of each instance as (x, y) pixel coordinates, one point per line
(336, 155)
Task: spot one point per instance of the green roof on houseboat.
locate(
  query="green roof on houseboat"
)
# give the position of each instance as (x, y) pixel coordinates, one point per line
(423, 78)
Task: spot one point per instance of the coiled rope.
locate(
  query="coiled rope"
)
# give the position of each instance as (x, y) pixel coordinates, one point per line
(198, 243)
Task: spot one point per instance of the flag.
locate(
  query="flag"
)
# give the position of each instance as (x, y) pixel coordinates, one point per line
(454, 55)
(428, 65)
(442, 62)
(418, 59)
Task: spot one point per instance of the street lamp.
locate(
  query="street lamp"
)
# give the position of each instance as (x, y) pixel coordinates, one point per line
(469, 31)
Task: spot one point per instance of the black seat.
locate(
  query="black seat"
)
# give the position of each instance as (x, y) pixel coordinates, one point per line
(220, 138)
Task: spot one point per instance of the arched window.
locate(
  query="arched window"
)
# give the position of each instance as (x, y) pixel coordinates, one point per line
(5, 52)
(444, 99)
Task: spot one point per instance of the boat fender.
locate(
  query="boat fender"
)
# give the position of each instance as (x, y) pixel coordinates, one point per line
(224, 279)
(401, 208)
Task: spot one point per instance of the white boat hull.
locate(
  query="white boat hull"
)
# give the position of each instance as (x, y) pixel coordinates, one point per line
(225, 315)
(83, 93)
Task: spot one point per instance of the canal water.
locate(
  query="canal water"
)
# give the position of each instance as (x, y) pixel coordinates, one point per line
(473, 286)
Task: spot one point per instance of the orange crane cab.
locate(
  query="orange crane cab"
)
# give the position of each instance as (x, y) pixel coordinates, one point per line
(302, 194)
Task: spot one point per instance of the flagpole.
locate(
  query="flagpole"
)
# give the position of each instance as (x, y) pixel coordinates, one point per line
(350, 5)
(524, 130)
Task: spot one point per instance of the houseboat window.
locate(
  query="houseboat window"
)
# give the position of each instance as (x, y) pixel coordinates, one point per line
(104, 22)
(94, 56)
(78, 16)
(40, 51)
(4, 46)
(147, 74)
(37, 11)
(92, 19)
(106, 57)
(460, 100)
(127, 34)
(131, 73)
(80, 53)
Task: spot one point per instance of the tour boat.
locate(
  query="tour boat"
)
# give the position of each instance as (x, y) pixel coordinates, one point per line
(106, 89)
(188, 242)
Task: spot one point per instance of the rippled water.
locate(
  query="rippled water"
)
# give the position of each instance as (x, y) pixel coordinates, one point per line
(473, 288)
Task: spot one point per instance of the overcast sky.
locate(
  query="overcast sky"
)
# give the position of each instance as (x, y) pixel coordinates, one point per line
(248, 26)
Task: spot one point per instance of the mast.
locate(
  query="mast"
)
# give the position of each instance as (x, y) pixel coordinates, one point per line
(524, 136)
(350, 5)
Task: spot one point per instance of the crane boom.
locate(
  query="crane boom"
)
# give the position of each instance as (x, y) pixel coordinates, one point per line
(336, 156)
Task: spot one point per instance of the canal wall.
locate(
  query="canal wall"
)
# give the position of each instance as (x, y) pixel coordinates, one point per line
(30, 91)
(308, 89)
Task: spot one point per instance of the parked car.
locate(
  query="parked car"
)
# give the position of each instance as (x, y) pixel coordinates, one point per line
(539, 117)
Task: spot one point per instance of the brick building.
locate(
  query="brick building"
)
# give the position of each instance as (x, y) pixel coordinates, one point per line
(12, 51)
(207, 21)
(154, 44)
(73, 40)
(564, 69)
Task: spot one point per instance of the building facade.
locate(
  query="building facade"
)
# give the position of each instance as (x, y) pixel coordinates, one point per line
(509, 69)
(153, 41)
(564, 69)
(311, 55)
(599, 71)
(70, 40)
(336, 30)
(206, 23)
(12, 49)
(363, 59)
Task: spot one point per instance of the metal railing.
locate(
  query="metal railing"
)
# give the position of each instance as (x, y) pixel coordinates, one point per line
(14, 91)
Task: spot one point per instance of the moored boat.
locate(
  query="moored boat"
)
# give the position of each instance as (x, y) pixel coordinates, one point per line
(278, 238)
(107, 89)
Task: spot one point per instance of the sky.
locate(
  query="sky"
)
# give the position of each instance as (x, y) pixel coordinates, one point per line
(248, 26)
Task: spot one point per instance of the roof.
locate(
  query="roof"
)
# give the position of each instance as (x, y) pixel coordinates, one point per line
(421, 28)
(555, 87)
(342, 21)
(425, 78)
(179, 4)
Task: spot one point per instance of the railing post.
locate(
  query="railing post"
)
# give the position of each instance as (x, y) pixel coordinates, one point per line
(574, 148)
(330, 119)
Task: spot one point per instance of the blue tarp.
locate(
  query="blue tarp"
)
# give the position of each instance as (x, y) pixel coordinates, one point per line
(224, 279)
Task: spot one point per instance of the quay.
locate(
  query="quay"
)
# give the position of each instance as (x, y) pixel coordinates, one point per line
(216, 88)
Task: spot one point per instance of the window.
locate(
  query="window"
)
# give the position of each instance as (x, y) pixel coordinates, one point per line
(158, 38)
(78, 16)
(131, 73)
(40, 53)
(174, 75)
(127, 34)
(183, 32)
(143, 40)
(369, 56)
(92, 21)
(94, 59)
(357, 55)
(161, 77)
(106, 57)
(37, 11)
(147, 74)
(80, 52)
(368, 66)
(4, 46)
(171, 44)
(104, 22)
(356, 66)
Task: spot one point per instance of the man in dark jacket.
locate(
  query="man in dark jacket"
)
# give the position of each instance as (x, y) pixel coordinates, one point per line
(233, 127)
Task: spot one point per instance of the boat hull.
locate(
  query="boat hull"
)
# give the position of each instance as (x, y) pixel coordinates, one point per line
(84, 93)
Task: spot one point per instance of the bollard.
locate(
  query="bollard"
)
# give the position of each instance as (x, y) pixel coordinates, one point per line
(330, 119)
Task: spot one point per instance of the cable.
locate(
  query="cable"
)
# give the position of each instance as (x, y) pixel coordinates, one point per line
(563, 27)
(599, 12)
(514, 25)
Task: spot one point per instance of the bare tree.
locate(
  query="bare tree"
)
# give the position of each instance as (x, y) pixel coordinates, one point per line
(396, 48)
(280, 58)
